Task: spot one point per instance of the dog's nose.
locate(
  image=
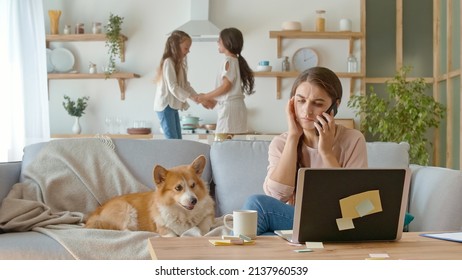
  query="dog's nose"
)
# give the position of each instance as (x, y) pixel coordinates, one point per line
(194, 201)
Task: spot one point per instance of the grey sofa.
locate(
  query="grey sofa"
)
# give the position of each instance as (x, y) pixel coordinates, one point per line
(235, 170)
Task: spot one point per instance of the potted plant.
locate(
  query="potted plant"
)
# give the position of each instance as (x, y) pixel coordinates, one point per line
(113, 41)
(405, 114)
(76, 109)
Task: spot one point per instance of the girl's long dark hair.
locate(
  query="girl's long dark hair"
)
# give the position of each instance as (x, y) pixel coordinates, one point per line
(233, 41)
(172, 50)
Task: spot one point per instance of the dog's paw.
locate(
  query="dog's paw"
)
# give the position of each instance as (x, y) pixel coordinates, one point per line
(166, 232)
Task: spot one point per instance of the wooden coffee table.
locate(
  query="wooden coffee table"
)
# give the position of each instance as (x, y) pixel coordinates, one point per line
(411, 246)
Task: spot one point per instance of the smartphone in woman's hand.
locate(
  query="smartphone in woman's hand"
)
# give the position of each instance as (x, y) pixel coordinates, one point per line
(332, 107)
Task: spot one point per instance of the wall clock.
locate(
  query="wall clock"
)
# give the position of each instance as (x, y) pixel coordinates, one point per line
(305, 58)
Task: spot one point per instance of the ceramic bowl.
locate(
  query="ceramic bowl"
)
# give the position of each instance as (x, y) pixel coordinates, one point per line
(292, 25)
(141, 130)
(210, 126)
(261, 68)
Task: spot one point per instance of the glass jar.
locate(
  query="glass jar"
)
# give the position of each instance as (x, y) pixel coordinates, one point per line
(352, 64)
(79, 28)
(320, 20)
(67, 29)
(92, 68)
(96, 29)
(286, 64)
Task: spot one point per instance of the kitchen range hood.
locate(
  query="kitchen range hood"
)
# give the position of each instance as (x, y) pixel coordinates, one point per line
(200, 28)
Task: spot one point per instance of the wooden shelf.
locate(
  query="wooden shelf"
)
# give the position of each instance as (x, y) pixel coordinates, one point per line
(79, 37)
(86, 38)
(120, 76)
(294, 74)
(315, 35)
(279, 35)
(341, 35)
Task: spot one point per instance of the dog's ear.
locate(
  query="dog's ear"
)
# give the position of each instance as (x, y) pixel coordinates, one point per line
(199, 164)
(159, 175)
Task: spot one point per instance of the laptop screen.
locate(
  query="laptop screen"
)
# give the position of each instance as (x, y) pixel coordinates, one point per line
(344, 205)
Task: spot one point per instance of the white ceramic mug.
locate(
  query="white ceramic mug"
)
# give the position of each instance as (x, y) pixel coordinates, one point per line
(244, 222)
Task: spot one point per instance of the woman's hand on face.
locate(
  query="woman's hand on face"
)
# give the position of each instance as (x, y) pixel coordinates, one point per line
(294, 126)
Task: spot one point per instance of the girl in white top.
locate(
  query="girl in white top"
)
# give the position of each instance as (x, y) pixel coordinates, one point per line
(173, 88)
(235, 79)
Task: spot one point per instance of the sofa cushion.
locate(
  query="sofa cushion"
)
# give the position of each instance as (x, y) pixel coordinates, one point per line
(239, 170)
(140, 156)
(244, 170)
(387, 154)
(30, 152)
(9, 174)
(31, 245)
(435, 199)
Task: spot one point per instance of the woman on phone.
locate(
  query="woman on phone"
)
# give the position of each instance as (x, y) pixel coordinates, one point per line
(313, 139)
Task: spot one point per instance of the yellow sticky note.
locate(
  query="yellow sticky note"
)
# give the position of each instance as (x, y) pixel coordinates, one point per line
(367, 203)
(314, 245)
(345, 223)
(227, 242)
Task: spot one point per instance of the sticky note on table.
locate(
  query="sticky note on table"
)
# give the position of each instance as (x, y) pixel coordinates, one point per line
(303, 250)
(380, 255)
(314, 245)
(227, 242)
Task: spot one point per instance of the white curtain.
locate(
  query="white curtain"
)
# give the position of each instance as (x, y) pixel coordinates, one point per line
(24, 114)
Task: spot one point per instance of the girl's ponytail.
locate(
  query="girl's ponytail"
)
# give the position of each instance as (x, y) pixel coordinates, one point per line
(247, 76)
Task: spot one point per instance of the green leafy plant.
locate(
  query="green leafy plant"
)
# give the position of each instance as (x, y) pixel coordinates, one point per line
(406, 115)
(75, 108)
(113, 41)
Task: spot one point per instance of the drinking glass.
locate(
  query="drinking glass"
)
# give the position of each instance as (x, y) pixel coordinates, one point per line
(118, 122)
(108, 124)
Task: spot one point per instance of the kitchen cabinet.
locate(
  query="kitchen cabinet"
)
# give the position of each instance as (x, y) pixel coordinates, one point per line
(119, 76)
(280, 36)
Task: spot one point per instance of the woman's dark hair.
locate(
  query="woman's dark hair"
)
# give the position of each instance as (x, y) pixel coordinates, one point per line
(233, 41)
(323, 78)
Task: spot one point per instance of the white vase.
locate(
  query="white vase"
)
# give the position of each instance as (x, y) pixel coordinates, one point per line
(76, 129)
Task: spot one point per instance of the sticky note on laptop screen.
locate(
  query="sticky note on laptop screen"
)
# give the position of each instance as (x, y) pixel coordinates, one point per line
(344, 223)
(361, 204)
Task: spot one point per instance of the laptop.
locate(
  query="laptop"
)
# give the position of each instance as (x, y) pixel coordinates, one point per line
(348, 205)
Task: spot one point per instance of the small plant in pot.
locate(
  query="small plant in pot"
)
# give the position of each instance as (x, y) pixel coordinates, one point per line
(405, 115)
(76, 109)
(113, 41)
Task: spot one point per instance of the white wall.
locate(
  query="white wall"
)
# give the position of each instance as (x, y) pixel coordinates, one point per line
(146, 24)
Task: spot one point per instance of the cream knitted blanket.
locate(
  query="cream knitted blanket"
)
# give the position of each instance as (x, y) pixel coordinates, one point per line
(67, 180)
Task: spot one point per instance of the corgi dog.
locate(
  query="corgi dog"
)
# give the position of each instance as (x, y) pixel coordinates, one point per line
(181, 201)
